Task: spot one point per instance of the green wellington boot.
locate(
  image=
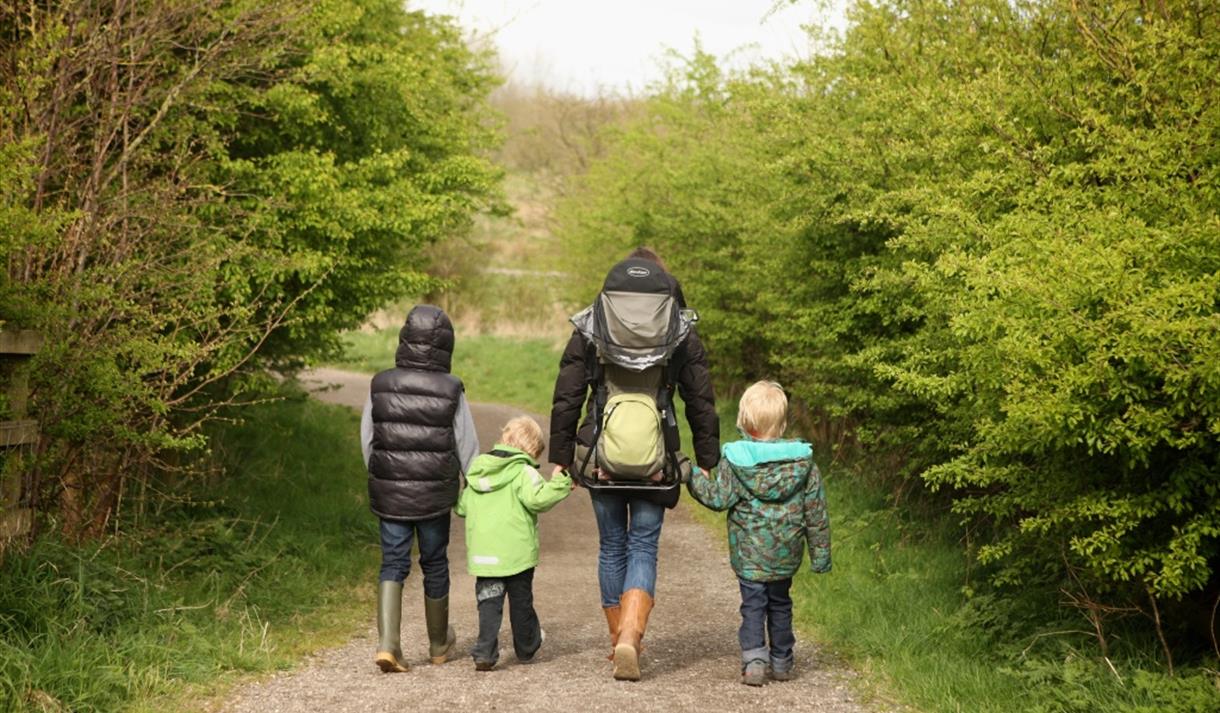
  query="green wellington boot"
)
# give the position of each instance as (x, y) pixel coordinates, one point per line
(389, 621)
(441, 638)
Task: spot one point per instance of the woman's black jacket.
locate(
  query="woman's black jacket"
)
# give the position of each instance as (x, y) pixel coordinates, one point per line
(694, 385)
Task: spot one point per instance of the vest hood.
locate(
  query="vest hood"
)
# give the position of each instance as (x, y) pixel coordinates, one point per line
(426, 340)
(758, 467)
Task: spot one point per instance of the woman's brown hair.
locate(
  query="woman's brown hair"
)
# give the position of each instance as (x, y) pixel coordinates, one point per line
(648, 254)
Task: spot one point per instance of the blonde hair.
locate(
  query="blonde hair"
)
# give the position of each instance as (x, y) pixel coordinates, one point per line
(523, 432)
(763, 410)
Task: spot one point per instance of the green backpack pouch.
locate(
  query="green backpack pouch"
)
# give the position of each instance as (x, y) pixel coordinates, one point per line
(632, 445)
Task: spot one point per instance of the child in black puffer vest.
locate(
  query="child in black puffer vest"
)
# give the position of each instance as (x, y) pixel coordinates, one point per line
(418, 439)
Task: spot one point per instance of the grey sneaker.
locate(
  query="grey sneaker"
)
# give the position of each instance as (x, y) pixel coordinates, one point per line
(755, 673)
(781, 669)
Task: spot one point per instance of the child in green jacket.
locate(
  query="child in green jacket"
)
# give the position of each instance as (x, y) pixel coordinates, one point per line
(504, 494)
(773, 492)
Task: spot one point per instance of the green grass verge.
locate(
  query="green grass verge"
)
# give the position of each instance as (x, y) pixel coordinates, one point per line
(896, 605)
(520, 372)
(890, 604)
(276, 560)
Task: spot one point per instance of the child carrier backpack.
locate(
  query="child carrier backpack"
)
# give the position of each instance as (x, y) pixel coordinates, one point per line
(631, 332)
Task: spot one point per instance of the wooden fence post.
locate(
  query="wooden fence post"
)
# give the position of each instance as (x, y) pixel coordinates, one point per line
(18, 434)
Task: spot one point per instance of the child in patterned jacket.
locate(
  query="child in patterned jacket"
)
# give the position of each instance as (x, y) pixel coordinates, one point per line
(773, 492)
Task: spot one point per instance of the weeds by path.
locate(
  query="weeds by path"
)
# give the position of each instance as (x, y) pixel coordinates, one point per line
(269, 565)
(902, 606)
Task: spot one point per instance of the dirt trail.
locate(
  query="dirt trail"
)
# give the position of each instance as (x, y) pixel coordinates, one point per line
(691, 657)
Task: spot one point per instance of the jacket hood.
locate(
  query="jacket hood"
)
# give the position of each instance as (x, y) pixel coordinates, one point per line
(756, 464)
(426, 340)
(492, 471)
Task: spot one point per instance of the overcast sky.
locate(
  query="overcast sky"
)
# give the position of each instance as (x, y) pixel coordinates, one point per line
(585, 45)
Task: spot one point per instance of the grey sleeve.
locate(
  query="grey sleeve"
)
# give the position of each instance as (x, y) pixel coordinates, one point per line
(366, 431)
(467, 436)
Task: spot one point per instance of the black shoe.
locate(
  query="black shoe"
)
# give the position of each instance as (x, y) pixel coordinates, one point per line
(542, 639)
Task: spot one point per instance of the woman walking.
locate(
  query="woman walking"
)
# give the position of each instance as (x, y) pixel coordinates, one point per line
(629, 519)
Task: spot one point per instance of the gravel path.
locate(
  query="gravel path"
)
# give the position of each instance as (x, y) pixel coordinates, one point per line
(690, 661)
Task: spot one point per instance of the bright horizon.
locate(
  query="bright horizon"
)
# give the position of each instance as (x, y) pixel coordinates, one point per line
(583, 47)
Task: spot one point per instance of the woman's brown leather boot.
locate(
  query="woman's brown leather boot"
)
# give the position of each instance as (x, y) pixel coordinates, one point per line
(633, 620)
(612, 619)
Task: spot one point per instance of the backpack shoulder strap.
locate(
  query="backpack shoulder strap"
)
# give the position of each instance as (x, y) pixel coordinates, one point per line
(669, 418)
(595, 378)
(594, 373)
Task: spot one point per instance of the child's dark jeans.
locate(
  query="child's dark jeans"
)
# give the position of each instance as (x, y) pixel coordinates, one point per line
(766, 614)
(433, 536)
(527, 634)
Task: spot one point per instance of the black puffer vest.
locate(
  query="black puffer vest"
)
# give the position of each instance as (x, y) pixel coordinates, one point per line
(414, 468)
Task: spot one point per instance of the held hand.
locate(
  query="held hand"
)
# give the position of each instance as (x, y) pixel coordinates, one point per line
(561, 470)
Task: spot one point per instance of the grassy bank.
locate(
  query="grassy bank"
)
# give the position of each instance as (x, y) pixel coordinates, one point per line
(520, 372)
(900, 605)
(275, 561)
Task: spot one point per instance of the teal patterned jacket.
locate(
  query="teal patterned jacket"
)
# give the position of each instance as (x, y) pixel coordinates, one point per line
(773, 492)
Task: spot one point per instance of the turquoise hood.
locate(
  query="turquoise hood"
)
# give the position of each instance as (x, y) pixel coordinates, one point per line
(755, 464)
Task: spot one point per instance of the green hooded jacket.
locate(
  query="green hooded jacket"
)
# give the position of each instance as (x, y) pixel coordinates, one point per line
(773, 492)
(503, 495)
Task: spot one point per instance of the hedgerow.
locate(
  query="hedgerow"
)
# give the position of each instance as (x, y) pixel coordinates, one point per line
(983, 239)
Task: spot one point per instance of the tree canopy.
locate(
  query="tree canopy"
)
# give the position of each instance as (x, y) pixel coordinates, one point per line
(192, 191)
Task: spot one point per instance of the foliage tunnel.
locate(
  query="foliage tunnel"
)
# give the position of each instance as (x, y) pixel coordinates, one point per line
(982, 239)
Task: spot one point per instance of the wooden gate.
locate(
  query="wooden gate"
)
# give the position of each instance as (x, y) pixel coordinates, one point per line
(18, 434)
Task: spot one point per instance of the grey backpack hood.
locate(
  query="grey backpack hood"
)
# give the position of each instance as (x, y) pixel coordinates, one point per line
(426, 340)
(639, 318)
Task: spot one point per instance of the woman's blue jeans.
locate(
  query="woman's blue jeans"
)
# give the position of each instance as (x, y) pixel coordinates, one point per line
(629, 530)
